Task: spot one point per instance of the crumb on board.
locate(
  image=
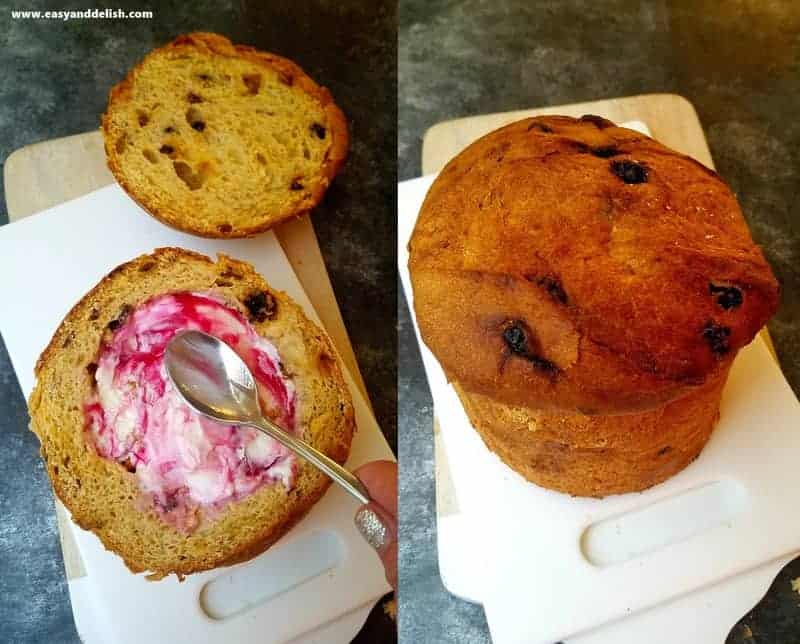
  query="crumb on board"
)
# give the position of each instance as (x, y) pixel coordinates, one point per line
(747, 633)
(390, 608)
(796, 585)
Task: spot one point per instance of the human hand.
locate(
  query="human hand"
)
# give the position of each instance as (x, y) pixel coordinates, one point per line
(377, 521)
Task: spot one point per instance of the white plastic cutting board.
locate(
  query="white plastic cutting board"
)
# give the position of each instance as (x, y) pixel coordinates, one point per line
(320, 572)
(703, 616)
(535, 583)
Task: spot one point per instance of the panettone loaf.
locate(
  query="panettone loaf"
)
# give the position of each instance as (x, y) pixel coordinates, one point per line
(586, 290)
(167, 490)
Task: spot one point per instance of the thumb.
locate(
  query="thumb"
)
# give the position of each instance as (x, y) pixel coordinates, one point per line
(377, 521)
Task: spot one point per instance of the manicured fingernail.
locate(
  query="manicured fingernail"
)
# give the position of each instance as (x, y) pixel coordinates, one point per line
(371, 528)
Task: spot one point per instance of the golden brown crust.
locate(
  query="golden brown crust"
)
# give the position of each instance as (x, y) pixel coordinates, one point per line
(104, 497)
(219, 45)
(622, 272)
(65, 332)
(598, 455)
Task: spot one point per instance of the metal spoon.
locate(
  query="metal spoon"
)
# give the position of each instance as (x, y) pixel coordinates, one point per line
(216, 382)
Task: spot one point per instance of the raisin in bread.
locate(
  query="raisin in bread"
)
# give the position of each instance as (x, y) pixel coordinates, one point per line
(586, 289)
(168, 491)
(222, 140)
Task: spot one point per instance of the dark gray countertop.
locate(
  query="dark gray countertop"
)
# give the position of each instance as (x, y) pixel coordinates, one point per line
(54, 80)
(738, 64)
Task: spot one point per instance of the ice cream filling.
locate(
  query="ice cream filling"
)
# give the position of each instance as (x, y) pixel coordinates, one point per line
(185, 462)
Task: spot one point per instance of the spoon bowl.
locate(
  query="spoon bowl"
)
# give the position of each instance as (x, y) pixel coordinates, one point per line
(216, 382)
(212, 378)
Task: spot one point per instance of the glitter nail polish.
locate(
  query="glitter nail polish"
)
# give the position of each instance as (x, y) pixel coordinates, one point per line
(371, 528)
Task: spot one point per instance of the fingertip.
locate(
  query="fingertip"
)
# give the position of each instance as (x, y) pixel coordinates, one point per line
(380, 478)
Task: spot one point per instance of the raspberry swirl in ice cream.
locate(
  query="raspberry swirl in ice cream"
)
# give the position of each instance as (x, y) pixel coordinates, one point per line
(184, 461)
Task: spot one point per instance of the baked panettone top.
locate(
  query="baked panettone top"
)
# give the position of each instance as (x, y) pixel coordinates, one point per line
(571, 263)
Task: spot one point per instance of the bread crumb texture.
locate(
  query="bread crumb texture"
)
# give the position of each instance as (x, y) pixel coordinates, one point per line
(222, 140)
(103, 496)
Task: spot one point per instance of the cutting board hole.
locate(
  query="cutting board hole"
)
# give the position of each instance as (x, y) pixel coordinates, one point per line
(280, 570)
(663, 523)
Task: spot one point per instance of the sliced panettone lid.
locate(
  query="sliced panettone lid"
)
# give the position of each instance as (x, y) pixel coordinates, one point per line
(222, 140)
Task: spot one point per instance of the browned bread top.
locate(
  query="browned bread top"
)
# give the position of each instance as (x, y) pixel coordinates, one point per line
(222, 140)
(104, 495)
(570, 263)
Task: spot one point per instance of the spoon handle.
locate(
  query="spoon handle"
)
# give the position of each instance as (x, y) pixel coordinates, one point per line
(344, 478)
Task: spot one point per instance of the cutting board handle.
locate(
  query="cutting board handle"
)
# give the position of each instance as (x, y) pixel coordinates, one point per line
(284, 568)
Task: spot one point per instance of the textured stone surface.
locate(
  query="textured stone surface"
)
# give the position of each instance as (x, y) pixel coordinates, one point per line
(737, 62)
(54, 81)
